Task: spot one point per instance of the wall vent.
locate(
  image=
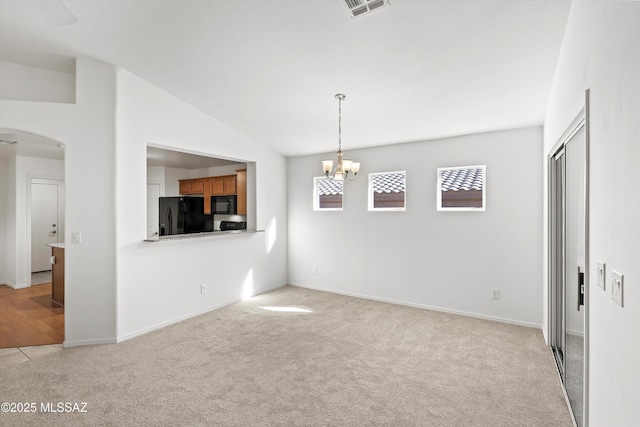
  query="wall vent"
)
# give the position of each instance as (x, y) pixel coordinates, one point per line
(8, 139)
(358, 8)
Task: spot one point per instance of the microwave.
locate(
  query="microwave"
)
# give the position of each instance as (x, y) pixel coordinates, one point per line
(224, 204)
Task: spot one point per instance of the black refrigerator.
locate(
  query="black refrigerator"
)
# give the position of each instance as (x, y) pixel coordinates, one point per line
(183, 215)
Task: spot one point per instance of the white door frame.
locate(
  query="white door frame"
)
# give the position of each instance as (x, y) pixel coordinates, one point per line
(36, 179)
(581, 120)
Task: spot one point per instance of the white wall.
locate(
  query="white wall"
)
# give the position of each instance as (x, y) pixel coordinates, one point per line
(87, 130)
(171, 177)
(159, 283)
(226, 170)
(155, 174)
(443, 260)
(24, 83)
(216, 170)
(7, 184)
(600, 52)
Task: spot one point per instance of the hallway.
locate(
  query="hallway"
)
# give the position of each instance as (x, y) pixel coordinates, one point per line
(28, 317)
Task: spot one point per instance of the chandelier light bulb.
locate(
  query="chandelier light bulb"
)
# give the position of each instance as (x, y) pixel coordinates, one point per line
(327, 165)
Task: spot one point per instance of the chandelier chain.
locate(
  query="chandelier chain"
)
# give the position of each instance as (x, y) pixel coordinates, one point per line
(340, 98)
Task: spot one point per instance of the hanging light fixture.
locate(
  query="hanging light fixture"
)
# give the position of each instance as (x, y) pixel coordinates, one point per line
(342, 169)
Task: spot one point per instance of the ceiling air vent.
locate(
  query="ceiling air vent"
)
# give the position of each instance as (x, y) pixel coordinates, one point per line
(358, 8)
(7, 139)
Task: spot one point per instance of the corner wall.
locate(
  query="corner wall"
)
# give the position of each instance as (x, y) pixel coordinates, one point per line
(87, 128)
(444, 260)
(159, 283)
(600, 53)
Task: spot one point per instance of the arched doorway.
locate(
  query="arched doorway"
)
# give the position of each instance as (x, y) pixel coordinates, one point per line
(32, 174)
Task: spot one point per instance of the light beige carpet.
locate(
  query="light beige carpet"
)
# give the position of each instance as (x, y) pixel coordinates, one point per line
(335, 360)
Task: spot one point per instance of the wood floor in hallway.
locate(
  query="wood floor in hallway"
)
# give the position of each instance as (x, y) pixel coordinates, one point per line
(28, 317)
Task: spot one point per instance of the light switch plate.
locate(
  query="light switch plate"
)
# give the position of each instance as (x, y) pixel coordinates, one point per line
(76, 237)
(617, 287)
(601, 274)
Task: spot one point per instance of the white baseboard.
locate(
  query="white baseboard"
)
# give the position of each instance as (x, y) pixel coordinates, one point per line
(175, 320)
(179, 319)
(80, 343)
(13, 285)
(143, 331)
(423, 306)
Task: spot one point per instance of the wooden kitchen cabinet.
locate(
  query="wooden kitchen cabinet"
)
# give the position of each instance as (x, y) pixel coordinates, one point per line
(197, 186)
(208, 187)
(223, 185)
(211, 186)
(241, 188)
(229, 184)
(217, 186)
(191, 186)
(185, 186)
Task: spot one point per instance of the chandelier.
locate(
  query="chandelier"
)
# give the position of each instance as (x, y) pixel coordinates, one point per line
(342, 169)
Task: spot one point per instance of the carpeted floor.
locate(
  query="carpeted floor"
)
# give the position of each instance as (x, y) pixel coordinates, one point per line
(320, 359)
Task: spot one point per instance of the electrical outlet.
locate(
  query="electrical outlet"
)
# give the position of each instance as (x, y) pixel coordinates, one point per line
(601, 274)
(314, 270)
(495, 293)
(203, 289)
(617, 287)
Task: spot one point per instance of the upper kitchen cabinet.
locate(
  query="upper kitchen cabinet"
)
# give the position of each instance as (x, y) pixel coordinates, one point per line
(223, 185)
(214, 186)
(192, 186)
(217, 186)
(229, 184)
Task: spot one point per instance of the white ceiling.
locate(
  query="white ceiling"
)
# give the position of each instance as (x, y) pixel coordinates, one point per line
(177, 159)
(416, 70)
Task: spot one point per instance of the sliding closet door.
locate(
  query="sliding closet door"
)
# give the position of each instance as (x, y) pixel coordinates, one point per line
(568, 196)
(575, 270)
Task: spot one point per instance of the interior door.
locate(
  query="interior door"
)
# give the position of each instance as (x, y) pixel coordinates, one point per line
(44, 224)
(568, 265)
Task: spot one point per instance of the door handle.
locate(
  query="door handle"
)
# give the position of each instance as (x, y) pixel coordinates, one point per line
(580, 288)
(54, 232)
